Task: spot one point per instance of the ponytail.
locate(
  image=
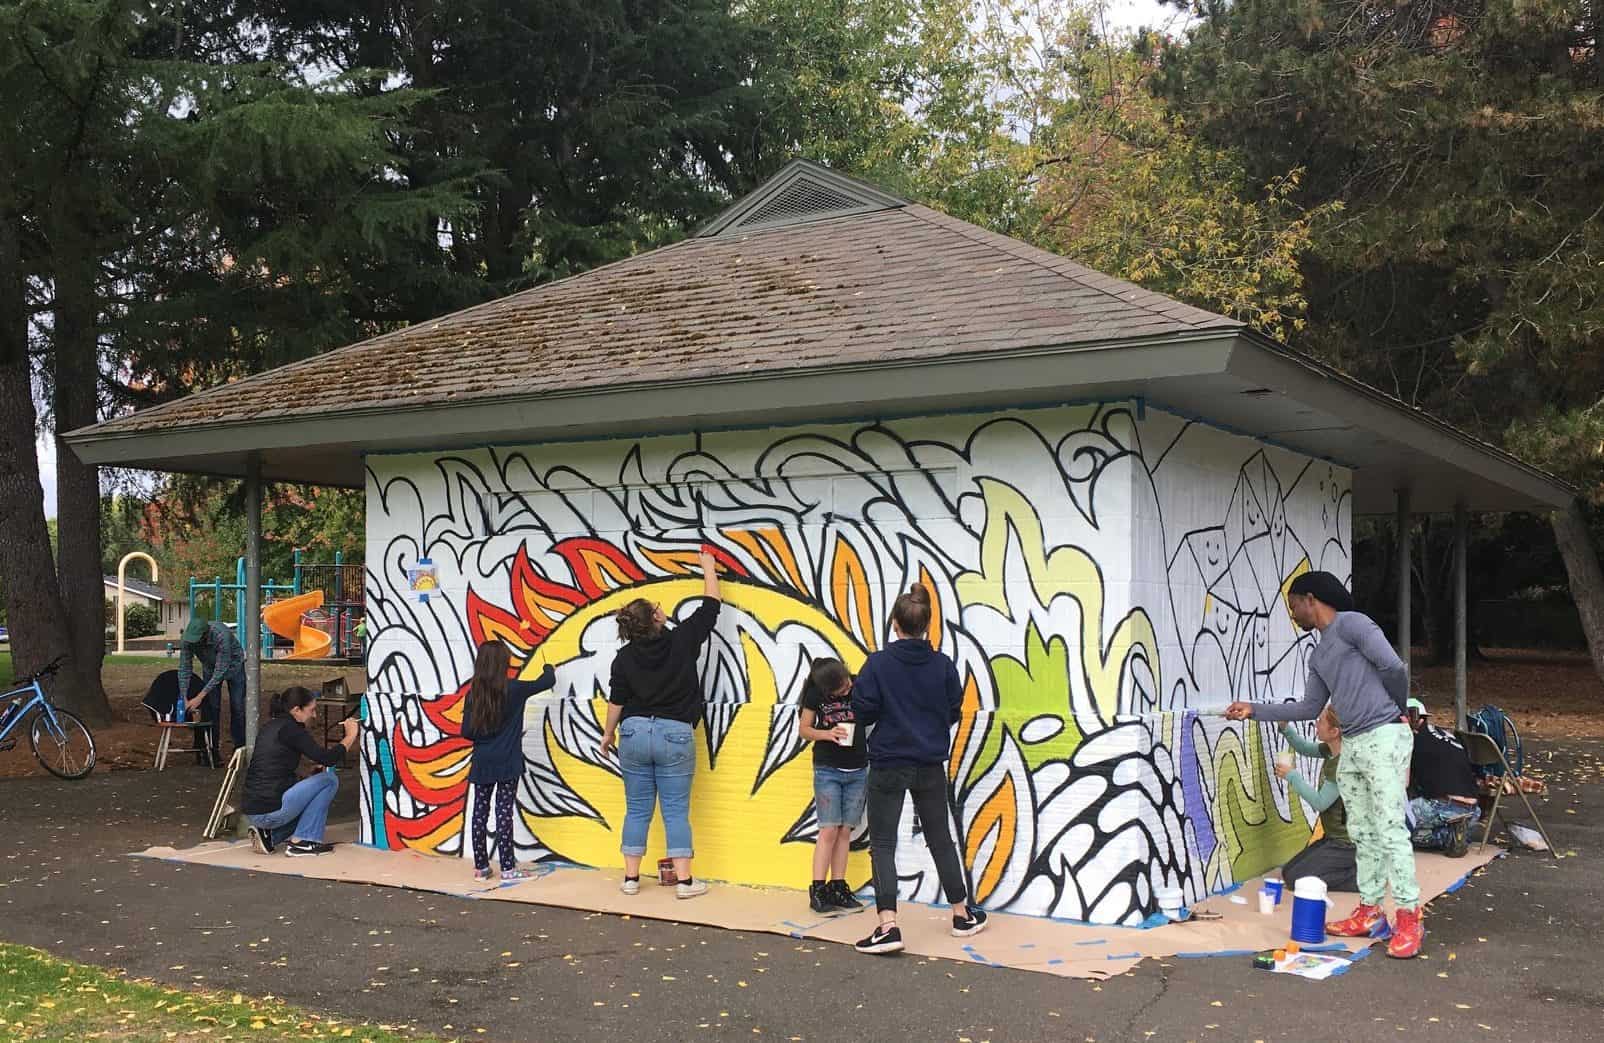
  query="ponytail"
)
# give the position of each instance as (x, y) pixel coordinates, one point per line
(911, 612)
(291, 698)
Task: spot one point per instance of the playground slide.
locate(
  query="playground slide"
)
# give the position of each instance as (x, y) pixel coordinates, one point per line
(284, 619)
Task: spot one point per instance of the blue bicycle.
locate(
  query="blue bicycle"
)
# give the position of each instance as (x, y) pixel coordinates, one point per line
(59, 739)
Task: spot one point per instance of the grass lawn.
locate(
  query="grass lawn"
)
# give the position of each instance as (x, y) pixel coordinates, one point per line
(43, 998)
(6, 675)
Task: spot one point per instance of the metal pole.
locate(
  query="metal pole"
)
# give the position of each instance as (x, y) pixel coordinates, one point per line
(1405, 577)
(251, 624)
(1461, 611)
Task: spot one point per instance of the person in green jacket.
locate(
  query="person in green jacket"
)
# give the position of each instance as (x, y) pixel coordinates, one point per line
(1332, 857)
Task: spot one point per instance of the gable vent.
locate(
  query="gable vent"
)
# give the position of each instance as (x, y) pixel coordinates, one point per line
(802, 200)
(802, 192)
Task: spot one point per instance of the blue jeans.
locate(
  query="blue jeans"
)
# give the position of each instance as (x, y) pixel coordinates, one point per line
(839, 795)
(1434, 819)
(236, 705)
(304, 811)
(658, 757)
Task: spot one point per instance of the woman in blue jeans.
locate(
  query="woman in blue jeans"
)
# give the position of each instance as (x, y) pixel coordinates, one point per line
(653, 709)
(275, 804)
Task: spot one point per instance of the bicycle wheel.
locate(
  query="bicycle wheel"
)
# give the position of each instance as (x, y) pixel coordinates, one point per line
(66, 749)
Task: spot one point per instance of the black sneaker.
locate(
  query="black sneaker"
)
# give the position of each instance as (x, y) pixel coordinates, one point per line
(305, 848)
(885, 939)
(840, 895)
(820, 899)
(1458, 837)
(261, 840)
(974, 923)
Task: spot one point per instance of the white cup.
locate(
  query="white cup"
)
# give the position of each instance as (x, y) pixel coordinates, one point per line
(851, 731)
(1266, 903)
(1284, 759)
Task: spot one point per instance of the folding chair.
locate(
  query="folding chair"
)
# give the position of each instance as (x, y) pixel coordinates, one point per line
(1484, 753)
(160, 700)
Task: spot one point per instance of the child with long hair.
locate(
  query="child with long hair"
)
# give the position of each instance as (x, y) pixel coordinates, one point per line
(840, 778)
(493, 717)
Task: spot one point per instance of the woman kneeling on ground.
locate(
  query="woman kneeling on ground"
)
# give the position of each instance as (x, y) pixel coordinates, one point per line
(653, 708)
(275, 804)
(1331, 858)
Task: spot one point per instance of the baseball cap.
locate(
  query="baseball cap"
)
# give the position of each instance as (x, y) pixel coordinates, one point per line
(1417, 706)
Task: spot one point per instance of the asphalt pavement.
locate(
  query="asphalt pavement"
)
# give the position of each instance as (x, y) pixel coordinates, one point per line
(1513, 955)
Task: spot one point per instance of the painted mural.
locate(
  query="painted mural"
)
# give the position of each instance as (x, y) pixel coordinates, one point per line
(1106, 579)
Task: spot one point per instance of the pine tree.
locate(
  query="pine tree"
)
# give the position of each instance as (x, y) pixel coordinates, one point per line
(179, 211)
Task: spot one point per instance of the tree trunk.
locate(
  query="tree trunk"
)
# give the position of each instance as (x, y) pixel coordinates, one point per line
(1587, 580)
(77, 404)
(34, 613)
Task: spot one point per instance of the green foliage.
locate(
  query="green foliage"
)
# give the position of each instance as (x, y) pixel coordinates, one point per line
(1466, 144)
(141, 621)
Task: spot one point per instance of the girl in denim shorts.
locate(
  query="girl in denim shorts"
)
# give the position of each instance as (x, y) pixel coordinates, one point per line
(840, 775)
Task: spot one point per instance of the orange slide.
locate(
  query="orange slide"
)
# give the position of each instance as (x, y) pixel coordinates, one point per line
(284, 619)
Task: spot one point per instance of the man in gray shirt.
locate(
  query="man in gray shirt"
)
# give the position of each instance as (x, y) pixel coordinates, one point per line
(1356, 671)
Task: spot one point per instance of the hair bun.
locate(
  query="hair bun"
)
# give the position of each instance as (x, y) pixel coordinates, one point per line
(918, 593)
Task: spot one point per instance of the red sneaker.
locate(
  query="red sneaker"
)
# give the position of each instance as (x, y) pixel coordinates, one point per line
(1367, 921)
(1407, 935)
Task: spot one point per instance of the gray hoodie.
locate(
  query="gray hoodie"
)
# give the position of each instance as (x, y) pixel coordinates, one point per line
(1355, 669)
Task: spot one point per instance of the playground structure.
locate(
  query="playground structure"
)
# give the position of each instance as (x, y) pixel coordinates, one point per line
(313, 616)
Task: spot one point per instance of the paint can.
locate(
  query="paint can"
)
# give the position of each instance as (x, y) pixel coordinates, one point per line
(1309, 911)
(1170, 900)
(665, 872)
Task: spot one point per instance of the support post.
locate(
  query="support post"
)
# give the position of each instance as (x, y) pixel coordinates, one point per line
(1405, 577)
(1461, 611)
(251, 623)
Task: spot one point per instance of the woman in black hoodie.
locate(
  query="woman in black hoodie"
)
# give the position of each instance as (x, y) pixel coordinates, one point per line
(654, 706)
(909, 697)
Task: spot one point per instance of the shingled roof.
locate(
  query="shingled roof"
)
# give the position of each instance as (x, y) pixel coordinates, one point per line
(816, 298)
(902, 282)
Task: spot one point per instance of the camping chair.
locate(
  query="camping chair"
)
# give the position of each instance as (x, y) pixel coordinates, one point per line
(160, 699)
(1484, 753)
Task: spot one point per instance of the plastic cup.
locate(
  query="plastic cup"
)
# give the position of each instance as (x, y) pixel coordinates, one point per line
(1266, 903)
(852, 730)
(1275, 888)
(1284, 759)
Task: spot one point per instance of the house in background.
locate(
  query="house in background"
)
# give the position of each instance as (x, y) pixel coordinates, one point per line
(173, 612)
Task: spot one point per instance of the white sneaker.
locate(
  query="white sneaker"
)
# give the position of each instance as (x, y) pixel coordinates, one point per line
(630, 887)
(690, 890)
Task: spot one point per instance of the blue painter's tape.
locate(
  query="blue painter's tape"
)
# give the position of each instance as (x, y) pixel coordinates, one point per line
(1361, 954)
(1210, 955)
(1326, 947)
(1054, 963)
(1123, 956)
(1457, 884)
(1094, 941)
(1028, 945)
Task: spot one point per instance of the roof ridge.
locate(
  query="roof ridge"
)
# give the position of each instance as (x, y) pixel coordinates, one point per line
(1090, 278)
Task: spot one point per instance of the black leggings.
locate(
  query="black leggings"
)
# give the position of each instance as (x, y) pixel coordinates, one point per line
(888, 787)
(505, 791)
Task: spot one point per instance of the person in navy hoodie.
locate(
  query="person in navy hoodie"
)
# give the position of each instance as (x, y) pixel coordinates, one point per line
(908, 696)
